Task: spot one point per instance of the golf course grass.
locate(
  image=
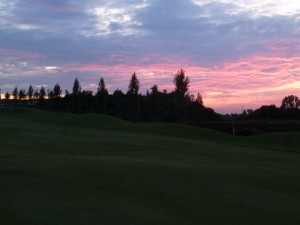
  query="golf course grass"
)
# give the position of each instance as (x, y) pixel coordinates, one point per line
(66, 169)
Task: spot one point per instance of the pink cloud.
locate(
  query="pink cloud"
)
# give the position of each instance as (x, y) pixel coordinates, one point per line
(264, 80)
(280, 46)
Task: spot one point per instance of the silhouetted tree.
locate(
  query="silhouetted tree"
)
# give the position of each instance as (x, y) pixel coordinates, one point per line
(55, 97)
(118, 93)
(57, 90)
(133, 95)
(22, 94)
(50, 93)
(36, 94)
(42, 94)
(76, 87)
(102, 87)
(267, 112)
(66, 102)
(15, 93)
(181, 83)
(199, 99)
(155, 98)
(7, 95)
(134, 85)
(86, 102)
(154, 90)
(118, 104)
(75, 97)
(192, 97)
(290, 102)
(101, 97)
(30, 92)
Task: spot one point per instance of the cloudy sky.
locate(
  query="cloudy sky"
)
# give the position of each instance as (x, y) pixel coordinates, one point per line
(238, 54)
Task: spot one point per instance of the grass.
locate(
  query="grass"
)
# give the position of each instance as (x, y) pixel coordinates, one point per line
(58, 168)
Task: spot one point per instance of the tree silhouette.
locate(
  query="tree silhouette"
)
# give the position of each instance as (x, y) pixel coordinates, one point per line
(290, 102)
(76, 87)
(134, 85)
(191, 97)
(154, 98)
(85, 102)
(102, 87)
(22, 94)
(118, 104)
(75, 96)
(55, 95)
(199, 99)
(133, 95)
(102, 95)
(15, 93)
(36, 94)
(57, 90)
(7, 95)
(42, 94)
(30, 92)
(181, 83)
(50, 93)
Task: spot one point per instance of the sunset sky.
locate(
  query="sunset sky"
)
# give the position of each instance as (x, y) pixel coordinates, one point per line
(239, 54)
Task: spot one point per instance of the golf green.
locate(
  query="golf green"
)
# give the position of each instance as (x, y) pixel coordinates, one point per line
(59, 168)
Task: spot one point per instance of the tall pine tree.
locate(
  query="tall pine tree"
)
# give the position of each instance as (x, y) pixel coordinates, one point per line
(76, 87)
(181, 83)
(102, 95)
(75, 97)
(133, 97)
(30, 92)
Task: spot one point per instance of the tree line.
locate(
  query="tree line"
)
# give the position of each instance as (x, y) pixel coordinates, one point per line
(176, 106)
(289, 109)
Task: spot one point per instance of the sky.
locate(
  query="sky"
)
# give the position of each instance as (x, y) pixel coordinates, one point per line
(239, 54)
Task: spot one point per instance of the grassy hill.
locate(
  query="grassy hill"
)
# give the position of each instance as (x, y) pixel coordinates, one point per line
(58, 168)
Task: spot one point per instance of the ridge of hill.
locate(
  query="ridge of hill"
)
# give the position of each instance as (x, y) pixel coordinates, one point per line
(287, 141)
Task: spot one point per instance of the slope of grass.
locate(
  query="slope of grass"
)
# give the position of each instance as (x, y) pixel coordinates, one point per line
(58, 168)
(281, 141)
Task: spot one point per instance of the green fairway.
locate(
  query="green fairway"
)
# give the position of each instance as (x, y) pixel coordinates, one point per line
(66, 169)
